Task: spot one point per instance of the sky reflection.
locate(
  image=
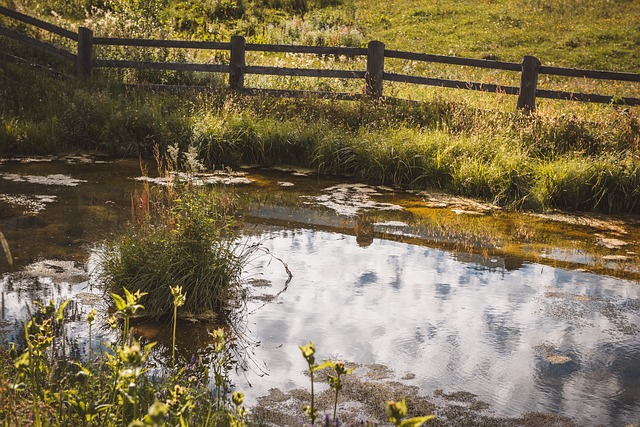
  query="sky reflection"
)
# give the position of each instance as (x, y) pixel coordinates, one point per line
(532, 339)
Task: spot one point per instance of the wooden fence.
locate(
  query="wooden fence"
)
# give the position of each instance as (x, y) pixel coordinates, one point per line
(374, 75)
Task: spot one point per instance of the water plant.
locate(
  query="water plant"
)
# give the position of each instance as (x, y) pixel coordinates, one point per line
(396, 410)
(47, 385)
(221, 364)
(127, 307)
(5, 248)
(91, 318)
(308, 352)
(237, 417)
(178, 301)
(179, 233)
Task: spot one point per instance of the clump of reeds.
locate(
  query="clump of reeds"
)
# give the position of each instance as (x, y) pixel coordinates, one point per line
(183, 235)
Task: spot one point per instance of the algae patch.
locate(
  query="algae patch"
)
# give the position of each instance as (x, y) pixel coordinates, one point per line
(57, 270)
(52, 179)
(351, 199)
(219, 177)
(30, 205)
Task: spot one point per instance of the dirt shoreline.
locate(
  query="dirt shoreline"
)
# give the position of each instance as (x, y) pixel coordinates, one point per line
(363, 400)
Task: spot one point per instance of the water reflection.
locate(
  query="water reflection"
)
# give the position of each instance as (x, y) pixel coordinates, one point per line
(458, 301)
(525, 340)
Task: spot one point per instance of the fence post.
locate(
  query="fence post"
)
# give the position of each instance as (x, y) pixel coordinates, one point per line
(237, 63)
(375, 68)
(84, 56)
(528, 84)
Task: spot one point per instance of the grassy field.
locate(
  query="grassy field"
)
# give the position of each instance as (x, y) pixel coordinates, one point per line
(567, 155)
(597, 34)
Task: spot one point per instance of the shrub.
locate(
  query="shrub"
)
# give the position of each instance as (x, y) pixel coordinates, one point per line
(179, 235)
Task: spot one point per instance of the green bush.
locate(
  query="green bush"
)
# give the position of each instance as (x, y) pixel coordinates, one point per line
(181, 235)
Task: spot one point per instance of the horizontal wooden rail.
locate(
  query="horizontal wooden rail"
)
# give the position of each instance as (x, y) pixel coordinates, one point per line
(39, 23)
(590, 74)
(373, 75)
(454, 84)
(48, 70)
(453, 60)
(585, 97)
(61, 53)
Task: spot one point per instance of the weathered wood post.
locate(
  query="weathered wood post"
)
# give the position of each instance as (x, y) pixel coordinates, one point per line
(375, 68)
(237, 63)
(528, 84)
(84, 56)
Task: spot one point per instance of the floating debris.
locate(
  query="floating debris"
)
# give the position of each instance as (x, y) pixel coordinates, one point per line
(57, 270)
(35, 159)
(378, 371)
(350, 199)
(223, 177)
(392, 224)
(551, 355)
(616, 258)
(295, 171)
(556, 359)
(466, 212)
(285, 184)
(610, 242)
(53, 179)
(459, 205)
(31, 205)
(409, 376)
(600, 223)
(81, 159)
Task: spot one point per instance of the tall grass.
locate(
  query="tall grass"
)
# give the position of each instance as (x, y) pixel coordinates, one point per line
(574, 159)
(179, 235)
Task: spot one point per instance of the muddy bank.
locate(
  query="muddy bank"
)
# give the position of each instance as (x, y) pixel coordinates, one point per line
(365, 393)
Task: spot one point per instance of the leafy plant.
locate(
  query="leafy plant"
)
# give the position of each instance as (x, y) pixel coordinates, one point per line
(178, 301)
(335, 382)
(397, 411)
(127, 307)
(183, 234)
(308, 352)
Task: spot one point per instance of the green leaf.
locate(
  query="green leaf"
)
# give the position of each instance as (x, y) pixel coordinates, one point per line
(119, 301)
(416, 421)
(23, 361)
(323, 365)
(60, 313)
(148, 347)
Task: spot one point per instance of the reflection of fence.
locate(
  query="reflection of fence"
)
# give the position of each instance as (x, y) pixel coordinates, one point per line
(374, 75)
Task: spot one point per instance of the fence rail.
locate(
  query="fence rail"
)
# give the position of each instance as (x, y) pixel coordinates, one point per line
(374, 75)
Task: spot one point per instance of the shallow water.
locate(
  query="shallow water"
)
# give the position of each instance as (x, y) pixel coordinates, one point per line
(529, 312)
(533, 339)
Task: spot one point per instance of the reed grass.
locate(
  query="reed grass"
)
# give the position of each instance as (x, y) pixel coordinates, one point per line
(189, 241)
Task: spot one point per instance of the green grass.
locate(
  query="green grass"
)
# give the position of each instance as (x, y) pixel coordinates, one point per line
(179, 236)
(598, 34)
(567, 155)
(586, 160)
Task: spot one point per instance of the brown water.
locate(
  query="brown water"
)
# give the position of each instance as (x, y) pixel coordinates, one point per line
(529, 312)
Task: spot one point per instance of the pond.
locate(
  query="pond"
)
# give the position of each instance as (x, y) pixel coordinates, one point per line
(472, 307)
